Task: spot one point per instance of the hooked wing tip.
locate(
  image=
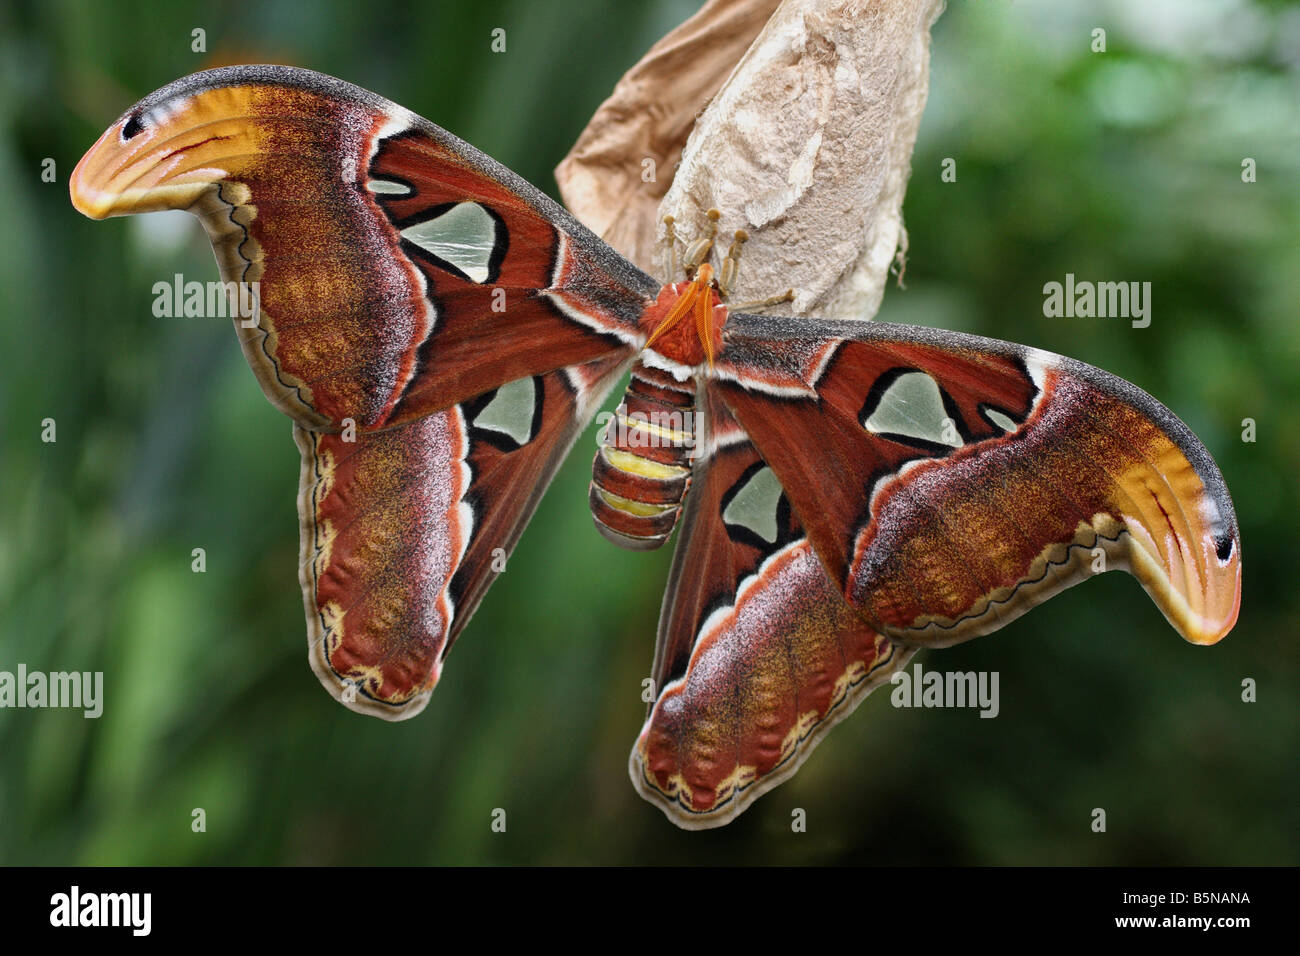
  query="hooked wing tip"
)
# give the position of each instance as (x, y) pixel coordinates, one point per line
(88, 196)
(165, 167)
(1200, 599)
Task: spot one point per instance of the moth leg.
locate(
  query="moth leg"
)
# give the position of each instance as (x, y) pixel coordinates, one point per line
(786, 296)
(699, 250)
(731, 264)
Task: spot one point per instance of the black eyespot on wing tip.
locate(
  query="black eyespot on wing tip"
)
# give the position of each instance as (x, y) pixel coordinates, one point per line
(132, 127)
(1225, 548)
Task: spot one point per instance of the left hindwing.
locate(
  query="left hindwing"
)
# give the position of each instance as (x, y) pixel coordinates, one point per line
(758, 653)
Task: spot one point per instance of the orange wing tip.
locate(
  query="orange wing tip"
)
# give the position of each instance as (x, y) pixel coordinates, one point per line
(87, 186)
(1183, 545)
(1200, 599)
(170, 155)
(112, 180)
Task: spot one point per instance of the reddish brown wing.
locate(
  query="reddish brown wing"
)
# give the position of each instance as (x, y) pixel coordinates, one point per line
(866, 488)
(437, 328)
(758, 653)
(950, 482)
(400, 270)
(404, 530)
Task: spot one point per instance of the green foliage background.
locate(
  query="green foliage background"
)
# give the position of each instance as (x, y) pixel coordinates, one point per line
(1124, 165)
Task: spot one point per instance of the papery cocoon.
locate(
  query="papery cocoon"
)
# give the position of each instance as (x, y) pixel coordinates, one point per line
(619, 169)
(807, 146)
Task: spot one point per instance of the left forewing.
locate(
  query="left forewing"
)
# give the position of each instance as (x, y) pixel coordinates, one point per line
(951, 482)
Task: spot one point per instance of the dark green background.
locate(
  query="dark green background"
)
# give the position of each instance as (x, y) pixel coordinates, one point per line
(1117, 166)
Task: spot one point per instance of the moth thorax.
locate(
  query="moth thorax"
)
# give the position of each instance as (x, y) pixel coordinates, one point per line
(643, 468)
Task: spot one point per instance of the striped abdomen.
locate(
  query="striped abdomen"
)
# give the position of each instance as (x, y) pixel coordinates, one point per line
(643, 468)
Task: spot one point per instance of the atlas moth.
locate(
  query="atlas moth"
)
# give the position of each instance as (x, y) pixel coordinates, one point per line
(844, 494)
